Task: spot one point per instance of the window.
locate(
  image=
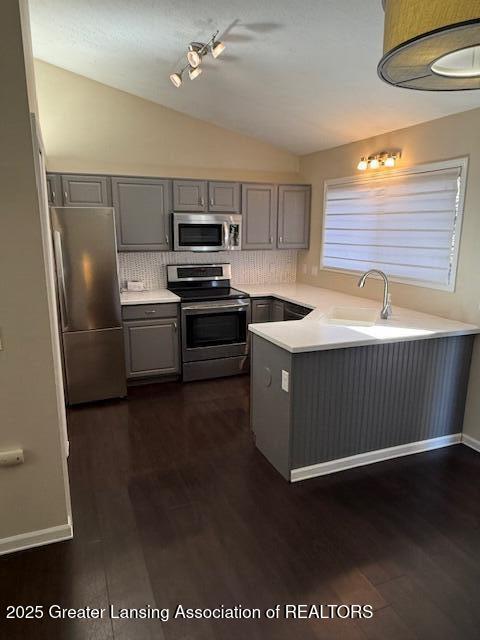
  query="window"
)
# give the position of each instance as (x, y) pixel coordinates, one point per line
(405, 222)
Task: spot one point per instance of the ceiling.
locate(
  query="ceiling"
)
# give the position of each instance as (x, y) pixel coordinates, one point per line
(300, 75)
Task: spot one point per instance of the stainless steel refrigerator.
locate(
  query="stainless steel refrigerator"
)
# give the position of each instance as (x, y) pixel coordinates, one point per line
(89, 303)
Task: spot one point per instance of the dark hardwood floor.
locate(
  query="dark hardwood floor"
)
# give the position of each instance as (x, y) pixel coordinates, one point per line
(174, 505)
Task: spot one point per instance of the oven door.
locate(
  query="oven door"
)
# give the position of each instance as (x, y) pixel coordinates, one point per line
(197, 232)
(216, 329)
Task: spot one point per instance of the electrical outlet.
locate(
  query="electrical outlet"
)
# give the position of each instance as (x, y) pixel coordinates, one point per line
(285, 380)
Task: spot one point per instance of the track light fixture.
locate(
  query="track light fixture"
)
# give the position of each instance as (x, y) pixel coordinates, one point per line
(195, 54)
(384, 159)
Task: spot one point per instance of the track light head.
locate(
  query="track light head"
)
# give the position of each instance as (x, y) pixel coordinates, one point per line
(217, 48)
(176, 79)
(194, 72)
(194, 54)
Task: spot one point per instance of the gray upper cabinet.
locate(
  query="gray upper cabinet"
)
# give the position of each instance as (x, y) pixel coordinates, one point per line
(224, 197)
(85, 191)
(54, 190)
(151, 347)
(293, 216)
(189, 195)
(142, 208)
(259, 210)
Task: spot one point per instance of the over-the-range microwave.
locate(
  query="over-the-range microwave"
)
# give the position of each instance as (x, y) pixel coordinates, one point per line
(207, 231)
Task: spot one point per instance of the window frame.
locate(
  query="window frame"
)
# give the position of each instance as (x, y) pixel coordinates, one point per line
(461, 163)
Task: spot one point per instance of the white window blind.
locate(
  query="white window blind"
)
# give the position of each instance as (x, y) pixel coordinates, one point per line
(406, 223)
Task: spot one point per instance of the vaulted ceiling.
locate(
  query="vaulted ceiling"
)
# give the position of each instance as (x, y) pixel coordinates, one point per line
(300, 75)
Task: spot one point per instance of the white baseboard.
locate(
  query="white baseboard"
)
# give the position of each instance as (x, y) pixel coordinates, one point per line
(36, 538)
(471, 442)
(361, 459)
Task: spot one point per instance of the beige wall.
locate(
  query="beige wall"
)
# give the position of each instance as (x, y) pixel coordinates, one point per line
(450, 137)
(33, 496)
(88, 126)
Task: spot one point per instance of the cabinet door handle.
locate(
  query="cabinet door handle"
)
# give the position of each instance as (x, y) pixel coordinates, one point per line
(53, 197)
(281, 239)
(150, 311)
(66, 195)
(166, 239)
(211, 202)
(202, 201)
(175, 325)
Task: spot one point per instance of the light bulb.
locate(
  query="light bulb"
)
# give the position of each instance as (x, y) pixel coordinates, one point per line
(193, 57)
(390, 161)
(374, 163)
(176, 79)
(217, 48)
(194, 73)
(363, 164)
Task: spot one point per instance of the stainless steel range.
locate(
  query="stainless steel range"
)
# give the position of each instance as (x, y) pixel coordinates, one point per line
(214, 320)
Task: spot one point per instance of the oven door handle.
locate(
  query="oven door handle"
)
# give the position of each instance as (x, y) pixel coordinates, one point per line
(216, 307)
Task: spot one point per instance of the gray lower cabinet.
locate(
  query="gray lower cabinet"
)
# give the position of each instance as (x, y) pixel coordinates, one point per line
(86, 191)
(151, 347)
(261, 310)
(345, 402)
(54, 190)
(142, 210)
(259, 210)
(293, 216)
(224, 197)
(190, 195)
(278, 310)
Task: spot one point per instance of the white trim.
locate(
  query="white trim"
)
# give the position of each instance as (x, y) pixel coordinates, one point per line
(461, 163)
(473, 443)
(36, 538)
(361, 459)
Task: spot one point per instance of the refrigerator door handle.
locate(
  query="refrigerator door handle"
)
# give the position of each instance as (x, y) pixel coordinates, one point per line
(57, 243)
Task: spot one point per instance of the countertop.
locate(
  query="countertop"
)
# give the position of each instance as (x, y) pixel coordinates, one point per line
(314, 333)
(153, 296)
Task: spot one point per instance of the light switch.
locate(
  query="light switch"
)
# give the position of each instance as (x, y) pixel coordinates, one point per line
(285, 380)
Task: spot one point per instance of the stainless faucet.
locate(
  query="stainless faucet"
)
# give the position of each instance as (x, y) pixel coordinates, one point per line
(386, 311)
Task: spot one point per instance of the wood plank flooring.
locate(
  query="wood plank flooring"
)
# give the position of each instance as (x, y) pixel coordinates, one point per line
(174, 505)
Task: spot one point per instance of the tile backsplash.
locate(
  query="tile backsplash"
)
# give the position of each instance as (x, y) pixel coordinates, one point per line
(248, 267)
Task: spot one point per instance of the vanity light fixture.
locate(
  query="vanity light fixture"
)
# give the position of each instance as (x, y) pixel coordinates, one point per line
(363, 164)
(379, 160)
(431, 46)
(195, 54)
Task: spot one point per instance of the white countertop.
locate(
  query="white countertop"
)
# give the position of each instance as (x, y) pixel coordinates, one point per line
(153, 296)
(314, 333)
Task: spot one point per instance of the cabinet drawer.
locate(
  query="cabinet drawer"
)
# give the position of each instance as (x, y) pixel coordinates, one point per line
(149, 311)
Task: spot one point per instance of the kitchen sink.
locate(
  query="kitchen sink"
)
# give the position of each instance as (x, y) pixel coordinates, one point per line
(353, 316)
